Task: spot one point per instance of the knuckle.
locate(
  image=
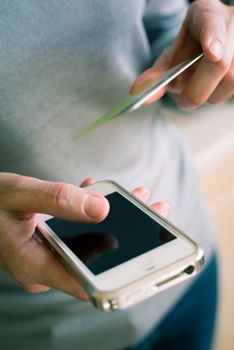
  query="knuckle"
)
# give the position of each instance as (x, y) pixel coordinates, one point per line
(193, 100)
(62, 194)
(214, 100)
(8, 183)
(229, 79)
(17, 182)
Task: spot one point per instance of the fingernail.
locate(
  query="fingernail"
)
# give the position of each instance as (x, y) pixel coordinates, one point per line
(216, 48)
(144, 193)
(95, 206)
(165, 209)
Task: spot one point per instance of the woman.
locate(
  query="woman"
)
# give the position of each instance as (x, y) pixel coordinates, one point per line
(63, 64)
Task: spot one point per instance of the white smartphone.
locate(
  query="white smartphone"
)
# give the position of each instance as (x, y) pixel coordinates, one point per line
(131, 255)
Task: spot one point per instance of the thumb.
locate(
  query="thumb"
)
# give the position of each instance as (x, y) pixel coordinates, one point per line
(212, 31)
(30, 195)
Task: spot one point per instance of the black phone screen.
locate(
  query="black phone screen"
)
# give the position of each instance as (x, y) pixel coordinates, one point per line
(126, 233)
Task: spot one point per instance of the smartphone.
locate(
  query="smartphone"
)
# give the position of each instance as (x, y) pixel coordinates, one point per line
(131, 255)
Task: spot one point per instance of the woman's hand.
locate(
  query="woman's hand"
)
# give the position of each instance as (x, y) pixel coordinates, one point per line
(30, 262)
(208, 27)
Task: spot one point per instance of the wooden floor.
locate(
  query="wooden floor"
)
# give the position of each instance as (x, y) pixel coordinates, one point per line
(218, 187)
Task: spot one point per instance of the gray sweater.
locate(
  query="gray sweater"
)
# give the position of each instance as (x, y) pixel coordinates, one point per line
(62, 65)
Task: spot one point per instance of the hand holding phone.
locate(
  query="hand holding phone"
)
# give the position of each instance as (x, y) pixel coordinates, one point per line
(30, 263)
(132, 254)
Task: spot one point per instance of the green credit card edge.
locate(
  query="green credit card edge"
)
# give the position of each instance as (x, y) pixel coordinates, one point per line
(128, 103)
(120, 108)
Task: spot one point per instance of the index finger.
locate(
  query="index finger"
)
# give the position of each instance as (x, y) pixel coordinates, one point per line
(197, 90)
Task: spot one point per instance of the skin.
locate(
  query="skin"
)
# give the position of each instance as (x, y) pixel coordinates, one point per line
(22, 255)
(208, 28)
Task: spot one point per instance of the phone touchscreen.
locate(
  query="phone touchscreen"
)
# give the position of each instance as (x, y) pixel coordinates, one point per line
(126, 233)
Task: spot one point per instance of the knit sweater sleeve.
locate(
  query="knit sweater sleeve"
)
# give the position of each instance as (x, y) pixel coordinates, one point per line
(162, 21)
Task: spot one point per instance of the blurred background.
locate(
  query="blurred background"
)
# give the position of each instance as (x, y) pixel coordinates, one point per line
(209, 132)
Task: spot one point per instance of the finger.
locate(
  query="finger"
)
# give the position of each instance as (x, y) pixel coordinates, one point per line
(148, 77)
(204, 81)
(36, 269)
(87, 182)
(162, 208)
(51, 273)
(30, 262)
(75, 291)
(177, 85)
(207, 17)
(184, 48)
(55, 276)
(207, 77)
(26, 194)
(220, 96)
(225, 89)
(142, 193)
(200, 28)
(144, 81)
(34, 288)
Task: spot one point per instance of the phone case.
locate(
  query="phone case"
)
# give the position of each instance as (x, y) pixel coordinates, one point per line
(142, 288)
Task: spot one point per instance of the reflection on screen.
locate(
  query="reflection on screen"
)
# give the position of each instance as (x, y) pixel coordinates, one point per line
(126, 233)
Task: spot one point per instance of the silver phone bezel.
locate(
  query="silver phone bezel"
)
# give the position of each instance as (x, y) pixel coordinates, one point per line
(119, 298)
